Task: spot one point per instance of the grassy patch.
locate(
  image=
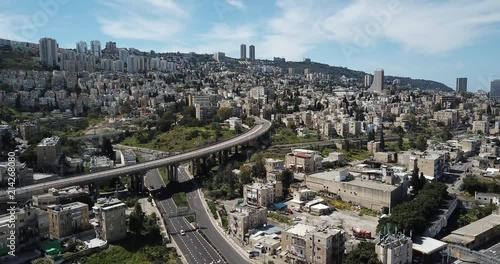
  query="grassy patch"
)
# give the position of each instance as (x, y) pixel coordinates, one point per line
(213, 208)
(280, 218)
(288, 136)
(145, 254)
(356, 155)
(164, 174)
(180, 139)
(18, 61)
(180, 199)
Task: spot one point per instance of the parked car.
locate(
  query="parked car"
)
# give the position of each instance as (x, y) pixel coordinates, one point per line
(182, 233)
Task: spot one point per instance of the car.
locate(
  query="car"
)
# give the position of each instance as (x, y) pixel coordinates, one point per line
(182, 233)
(297, 219)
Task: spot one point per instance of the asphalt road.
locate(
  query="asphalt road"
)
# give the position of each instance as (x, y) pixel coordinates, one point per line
(193, 245)
(203, 219)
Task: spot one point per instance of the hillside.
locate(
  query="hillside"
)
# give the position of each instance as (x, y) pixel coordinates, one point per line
(338, 72)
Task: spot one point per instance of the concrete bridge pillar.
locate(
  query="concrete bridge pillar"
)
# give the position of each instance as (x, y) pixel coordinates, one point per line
(94, 191)
(137, 182)
(225, 153)
(236, 149)
(220, 157)
(172, 171)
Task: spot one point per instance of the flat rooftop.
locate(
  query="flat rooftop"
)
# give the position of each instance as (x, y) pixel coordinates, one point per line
(480, 226)
(51, 141)
(66, 207)
(427, 245)
(300, 229)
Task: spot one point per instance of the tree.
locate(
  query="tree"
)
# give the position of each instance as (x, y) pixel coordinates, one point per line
(259, 169)
(363, 253)
(126, 109)
(224, 113)
(371, 135)
(421, 143)
(107, 149)
(414, 182)
(135, 221)
(400, 142)
(286, 179)
(382, 140)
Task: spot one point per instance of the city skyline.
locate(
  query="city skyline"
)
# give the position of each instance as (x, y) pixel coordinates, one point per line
(285, 28)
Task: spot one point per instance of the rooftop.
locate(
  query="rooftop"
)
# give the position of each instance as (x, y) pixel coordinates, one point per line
(67, 207)
(51, 141)
(427, 245)
(300, 229)
(480, 226)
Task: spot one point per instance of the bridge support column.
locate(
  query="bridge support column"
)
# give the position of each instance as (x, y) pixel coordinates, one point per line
(94, 191)
(137, 182)
(226, 154)
(220, 158)
(236, 149)
(173, 173)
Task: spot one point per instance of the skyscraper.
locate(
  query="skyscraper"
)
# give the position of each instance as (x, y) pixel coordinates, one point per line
(243, 51)
(368, 80)
(111, 46)
(48, 51)
(95, 47)
(252, 52)
(495, 90)
(378, 81)
(461, 85)
(123, 55)
(81, 47)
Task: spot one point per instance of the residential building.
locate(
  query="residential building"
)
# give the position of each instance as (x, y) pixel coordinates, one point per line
(431, 165)
(378, 81)
(259, 194)
(204, 112)
(480, 127)
(244, 218)
(48, 51)
(368, 80)
(133, 64)
(252, 52)
(303, 243)
(68, 219)
(95, 48)
(487, 198)
(60, 196)
(49, 152)
(243, 51)
(395, 249)
(234, 123)
(101, 163)
(461, 85)
(495, 90)
(110, 224)
(274, 164)
(123, 55)
(81, 47)
(302, 161)
(219, 56)
(24, 222)
(448, 117)
(110, 46)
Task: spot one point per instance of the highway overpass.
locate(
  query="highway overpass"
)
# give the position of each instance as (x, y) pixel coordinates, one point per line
(261, 127)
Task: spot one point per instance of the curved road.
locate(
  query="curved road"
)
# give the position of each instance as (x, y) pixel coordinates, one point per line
(261, 127)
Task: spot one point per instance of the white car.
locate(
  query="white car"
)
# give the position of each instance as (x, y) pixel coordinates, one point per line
(182, 233)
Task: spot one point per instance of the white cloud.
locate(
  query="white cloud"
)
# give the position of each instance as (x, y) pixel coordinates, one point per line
(143, 19)
(238, 4)
(428, 27)
(220, 37)
(16, 27)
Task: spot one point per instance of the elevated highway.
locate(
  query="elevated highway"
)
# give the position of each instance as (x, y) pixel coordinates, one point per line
(261, 127)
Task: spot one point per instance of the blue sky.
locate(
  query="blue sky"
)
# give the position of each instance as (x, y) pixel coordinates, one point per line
(428, 39)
